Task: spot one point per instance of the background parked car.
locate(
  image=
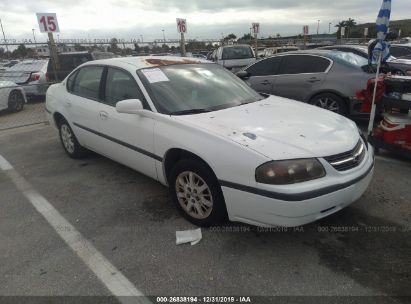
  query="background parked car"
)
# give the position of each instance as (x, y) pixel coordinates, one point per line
(30, 74)
(12, 96)
(69, 61)
(328, 79)
(234, 57)
(397, 66)
(277, 50)
(5, 64)
(401, 51)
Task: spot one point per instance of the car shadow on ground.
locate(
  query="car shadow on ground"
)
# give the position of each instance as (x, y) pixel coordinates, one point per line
(372, 251)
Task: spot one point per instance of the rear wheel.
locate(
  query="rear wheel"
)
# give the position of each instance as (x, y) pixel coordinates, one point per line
(330, 102)
(16, 101)
(69, 141)
(197, 193)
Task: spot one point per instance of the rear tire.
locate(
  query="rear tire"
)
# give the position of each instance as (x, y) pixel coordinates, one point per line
(16, 101)
(330, 102)
(197, 193)
(70, 142)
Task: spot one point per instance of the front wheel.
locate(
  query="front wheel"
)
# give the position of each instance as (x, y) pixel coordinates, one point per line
(197, 193)
(69, 141)
(16, 101)
(330, 102)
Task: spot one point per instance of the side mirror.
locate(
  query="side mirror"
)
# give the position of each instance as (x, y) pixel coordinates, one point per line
(243, 74)
(129, 106)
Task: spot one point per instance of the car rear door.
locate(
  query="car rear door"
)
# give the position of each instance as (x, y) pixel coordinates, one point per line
(128, 138)
(300, 75)
(263, 74)
(82, 103)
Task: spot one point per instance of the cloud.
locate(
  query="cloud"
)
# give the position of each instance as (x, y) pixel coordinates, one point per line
(206, 19)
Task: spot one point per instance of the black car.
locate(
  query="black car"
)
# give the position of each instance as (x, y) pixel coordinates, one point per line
(69, 61)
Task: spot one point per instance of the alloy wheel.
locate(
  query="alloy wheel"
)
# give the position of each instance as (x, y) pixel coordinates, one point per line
(194, 195)
(67, 138)
(328, 104)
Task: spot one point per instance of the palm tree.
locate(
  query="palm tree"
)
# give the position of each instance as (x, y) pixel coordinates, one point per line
(350, 23)
(340, 25)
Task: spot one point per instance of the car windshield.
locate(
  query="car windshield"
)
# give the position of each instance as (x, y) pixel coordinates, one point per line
(195, 88)
(237, 52)
(349, 59)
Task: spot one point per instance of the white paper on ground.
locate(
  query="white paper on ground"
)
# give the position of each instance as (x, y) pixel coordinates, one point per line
(155, 75)
(188, 236)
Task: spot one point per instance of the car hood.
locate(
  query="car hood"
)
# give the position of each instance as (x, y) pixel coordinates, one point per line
(280, 128)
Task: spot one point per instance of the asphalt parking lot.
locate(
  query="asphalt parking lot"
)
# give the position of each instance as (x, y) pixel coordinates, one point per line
(32, 114)
(364, 250)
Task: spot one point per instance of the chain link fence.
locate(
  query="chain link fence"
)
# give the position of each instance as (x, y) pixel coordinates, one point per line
(23, 86)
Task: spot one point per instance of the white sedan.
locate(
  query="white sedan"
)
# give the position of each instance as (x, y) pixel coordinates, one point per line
(224, 151)
(12, 96)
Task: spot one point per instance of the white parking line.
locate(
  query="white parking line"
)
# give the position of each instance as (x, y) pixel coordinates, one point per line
(108, 274)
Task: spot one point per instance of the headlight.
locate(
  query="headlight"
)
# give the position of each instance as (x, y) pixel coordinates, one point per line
(289, 171)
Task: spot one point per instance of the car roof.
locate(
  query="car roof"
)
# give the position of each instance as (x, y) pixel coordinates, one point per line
(236, 45)
(349, 46)
(308, 52)
(143, 62)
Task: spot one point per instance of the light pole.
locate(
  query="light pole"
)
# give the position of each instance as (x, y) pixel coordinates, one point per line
(141, 38)
(164, 36)
(329, 28)
(318, 27)
(34, 36)
(4, 36)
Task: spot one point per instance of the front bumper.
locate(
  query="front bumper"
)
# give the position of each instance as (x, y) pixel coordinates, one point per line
(265, 211)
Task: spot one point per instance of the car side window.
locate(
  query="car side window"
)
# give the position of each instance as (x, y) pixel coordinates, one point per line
(70, 81)
(265, 67)
(87, 82)
(303, 64)
(120, 86)
(399, 51)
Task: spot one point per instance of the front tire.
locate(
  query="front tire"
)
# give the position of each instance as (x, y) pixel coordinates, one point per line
(16, 101)
(70, 142)
(330, 102)
(197, 193)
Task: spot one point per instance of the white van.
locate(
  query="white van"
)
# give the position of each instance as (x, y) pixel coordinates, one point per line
(234, 57)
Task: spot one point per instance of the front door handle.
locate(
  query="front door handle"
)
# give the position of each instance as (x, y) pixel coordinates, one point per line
(67, 103)
(265, 82)
(103, 115)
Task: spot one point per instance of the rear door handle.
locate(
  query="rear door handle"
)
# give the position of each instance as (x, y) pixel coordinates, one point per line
(314, 79)
(67, 103)
(103, 115)
(265, 82)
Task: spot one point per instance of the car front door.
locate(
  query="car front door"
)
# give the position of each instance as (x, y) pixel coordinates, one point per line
(128, 138)
(82, 103)
(263, 74)
(300, 75)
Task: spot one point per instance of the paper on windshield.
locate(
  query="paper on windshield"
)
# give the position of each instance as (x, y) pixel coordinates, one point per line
(155, 75)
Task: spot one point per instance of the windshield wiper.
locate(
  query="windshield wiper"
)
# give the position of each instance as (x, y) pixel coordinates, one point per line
(191, 111)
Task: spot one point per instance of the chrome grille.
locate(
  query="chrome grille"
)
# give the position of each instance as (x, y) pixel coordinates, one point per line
(348, 160)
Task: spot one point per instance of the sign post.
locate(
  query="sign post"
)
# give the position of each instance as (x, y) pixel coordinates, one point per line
(306, 30)
(365, 33)
(182, 29)
(256, 30)
(342, 32)
(48, 24)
